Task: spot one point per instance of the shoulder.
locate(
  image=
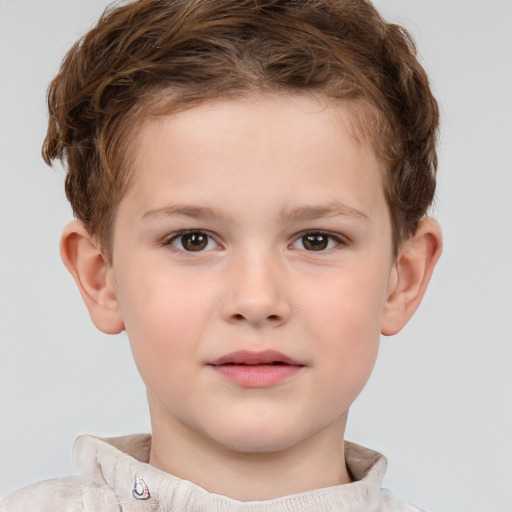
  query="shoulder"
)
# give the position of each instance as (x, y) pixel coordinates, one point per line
(70, 494)
(59, 494)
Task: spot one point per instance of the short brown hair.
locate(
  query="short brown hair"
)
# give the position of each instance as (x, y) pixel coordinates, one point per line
(153, 57)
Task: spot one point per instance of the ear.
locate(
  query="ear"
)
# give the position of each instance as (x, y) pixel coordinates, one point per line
(93, 275)
(410, 276)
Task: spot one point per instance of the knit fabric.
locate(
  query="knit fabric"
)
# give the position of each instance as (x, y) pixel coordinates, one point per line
(114, 476)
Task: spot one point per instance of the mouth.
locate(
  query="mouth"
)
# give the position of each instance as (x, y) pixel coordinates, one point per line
(248, 358)
(256, 369)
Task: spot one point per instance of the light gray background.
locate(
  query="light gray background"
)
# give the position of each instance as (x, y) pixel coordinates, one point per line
(439, 404)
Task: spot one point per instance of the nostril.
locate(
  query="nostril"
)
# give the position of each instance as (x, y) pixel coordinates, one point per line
(272, 318)
(255, 312)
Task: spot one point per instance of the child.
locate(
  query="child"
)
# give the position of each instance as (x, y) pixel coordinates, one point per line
(251, 180)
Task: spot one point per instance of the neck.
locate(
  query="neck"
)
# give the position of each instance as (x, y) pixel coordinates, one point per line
(316, 462)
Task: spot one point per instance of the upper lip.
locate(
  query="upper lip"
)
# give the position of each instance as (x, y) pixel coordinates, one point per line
(247, 357)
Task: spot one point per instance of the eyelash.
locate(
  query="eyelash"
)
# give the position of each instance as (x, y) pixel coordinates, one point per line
(339, 240)
(169, 240)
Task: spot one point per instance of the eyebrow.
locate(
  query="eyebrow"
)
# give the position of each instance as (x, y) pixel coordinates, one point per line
(192, 212)
(332, 209)
(286, 214)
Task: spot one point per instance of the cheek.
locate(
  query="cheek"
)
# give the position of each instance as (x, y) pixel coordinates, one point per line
(344, 322)
(161, 301)
(157, 345)
(165, 318)
(349, 305)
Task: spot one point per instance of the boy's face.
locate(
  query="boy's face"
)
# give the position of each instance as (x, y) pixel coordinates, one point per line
(253, 232)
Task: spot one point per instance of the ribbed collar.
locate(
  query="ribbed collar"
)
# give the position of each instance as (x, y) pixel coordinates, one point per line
(122, 464)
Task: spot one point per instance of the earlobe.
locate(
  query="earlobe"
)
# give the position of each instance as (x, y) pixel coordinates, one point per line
(411, 274)
(93, 275)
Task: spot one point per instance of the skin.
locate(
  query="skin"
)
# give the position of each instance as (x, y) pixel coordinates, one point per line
(253, 177)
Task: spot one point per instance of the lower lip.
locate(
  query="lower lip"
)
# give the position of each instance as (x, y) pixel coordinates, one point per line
(257, 376)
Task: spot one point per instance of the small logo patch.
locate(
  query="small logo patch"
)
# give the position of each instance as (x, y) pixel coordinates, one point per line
(140, 490)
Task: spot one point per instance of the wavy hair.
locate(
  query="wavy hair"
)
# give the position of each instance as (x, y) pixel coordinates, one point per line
(153, 57)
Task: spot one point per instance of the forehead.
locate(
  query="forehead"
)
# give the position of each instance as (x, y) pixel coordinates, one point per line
(356, 116)
(284, 146)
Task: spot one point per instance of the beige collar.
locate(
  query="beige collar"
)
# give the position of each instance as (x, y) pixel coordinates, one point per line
(121, 463)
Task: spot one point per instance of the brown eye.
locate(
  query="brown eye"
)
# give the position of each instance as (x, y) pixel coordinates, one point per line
(315, 242)
(318, 241)
(194, 241)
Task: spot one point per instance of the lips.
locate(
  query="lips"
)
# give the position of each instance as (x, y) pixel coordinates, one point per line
(256, 369)
(245, 357)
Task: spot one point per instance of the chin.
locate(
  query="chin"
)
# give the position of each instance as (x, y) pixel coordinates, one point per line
(259, 445)
(257, 438)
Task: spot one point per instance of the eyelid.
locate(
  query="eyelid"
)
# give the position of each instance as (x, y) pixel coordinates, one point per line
(168, 240)
(337, 237)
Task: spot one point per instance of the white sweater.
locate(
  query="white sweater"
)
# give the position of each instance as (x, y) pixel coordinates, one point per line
(114, 476)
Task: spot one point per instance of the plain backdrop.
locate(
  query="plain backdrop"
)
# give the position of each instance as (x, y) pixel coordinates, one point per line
(439, 403)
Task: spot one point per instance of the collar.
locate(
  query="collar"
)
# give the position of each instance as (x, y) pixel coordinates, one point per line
(121, 463)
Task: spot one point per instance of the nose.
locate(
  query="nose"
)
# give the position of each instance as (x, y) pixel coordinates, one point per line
(256, 293)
